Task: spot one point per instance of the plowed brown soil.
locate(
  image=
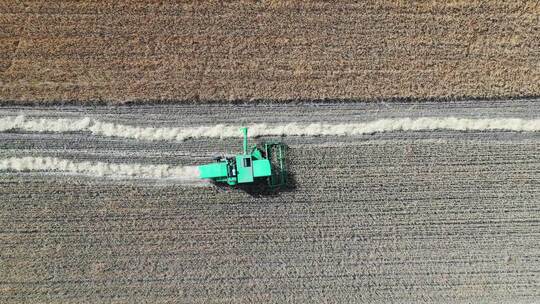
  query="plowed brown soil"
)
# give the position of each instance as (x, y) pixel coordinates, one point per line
(95, 50)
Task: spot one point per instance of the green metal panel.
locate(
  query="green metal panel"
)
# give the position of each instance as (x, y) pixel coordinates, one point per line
(213, 171)
(262, 168)
(256, 154)
(244, 166)
(230, 180)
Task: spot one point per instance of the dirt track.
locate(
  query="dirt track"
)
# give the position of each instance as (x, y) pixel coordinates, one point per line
(401, 217)
(100, 51)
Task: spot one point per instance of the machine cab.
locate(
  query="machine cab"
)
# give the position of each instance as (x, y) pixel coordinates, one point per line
(244, 165)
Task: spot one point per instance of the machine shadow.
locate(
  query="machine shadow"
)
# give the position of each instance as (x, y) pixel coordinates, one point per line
(261, 188)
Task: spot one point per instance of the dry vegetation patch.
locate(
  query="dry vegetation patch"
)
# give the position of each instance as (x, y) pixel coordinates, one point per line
(88, 50)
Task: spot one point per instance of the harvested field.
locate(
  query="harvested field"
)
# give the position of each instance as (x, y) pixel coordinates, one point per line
(400, 217)
(82, 51)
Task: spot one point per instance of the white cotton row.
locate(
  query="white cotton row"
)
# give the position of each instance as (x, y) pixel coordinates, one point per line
(100, 169)
(293, 129)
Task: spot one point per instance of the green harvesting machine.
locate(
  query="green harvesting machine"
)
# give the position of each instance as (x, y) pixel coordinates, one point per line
(267, 162)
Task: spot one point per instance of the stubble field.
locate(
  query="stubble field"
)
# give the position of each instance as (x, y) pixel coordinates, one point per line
(269, 50)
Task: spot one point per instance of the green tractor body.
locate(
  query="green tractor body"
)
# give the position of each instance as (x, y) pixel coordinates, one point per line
(251, 166)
